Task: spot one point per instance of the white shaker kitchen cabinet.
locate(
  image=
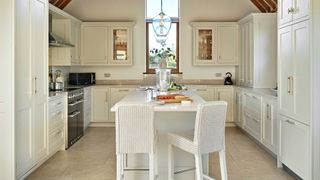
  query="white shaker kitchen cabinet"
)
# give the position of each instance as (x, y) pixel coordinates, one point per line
(258, 56)
(226, 94)
(294, 72)
(252, 112)
(116, 94)
(238, 111)
(207, 93)
(292, 11)
(61, 56)
(269, 124)
(31, 83)
(94, 42)
(100, 104)
(228, 46)
(215, 43)
(69, 31)
(76, 41)
(204, 44)
(120, 45)
(106, 43)
(56, 123)
(295, 146)
(87, 107)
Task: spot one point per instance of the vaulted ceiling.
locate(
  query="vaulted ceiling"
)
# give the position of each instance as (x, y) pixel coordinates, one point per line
(263, 5)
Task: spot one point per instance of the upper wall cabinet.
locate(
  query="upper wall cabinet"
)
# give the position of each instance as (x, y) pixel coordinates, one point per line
(106, 43)
(70, 31)
(215, 43)
(293, 11)
(258, 54)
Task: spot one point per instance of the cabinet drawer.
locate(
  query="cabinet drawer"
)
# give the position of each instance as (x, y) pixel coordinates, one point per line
(56, 120)
(56, 140)
(56, 104)
(253, 126)
(295, 146)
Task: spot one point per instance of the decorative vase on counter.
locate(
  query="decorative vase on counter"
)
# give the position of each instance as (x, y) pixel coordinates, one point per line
(163, 78)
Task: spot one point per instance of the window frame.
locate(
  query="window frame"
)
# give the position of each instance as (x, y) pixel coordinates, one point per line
(173, 71)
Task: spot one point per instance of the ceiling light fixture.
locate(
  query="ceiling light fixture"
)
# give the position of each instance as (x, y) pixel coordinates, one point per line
(161, 25)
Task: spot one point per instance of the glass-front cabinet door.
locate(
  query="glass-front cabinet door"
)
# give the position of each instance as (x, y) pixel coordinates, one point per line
(121, 46)
(204, 45)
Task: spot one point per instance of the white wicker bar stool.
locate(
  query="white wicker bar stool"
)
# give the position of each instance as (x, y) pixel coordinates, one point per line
(135, 134)
(208, 136)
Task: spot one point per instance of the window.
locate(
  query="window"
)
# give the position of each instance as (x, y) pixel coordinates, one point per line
(170, 8)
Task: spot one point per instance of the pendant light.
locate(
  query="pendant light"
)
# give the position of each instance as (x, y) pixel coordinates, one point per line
(161, 25)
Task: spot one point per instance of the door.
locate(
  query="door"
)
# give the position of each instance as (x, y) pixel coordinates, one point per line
(242, 54)
(94, 45)
(300, 82)
(301, 9)
(39, 56)
(205, 93)
(286, 103)
(269, 126)
(285, 11)
(23, 90)
(295, 146)
(227, 44)
(120, 45)
(100, 104)
(226, 94)
(205, 45)
(75, 40)
(116, 94)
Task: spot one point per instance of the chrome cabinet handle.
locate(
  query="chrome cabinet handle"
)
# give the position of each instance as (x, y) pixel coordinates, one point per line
(59, 132)
(74, 114)
(288, 85)
(78, 102)
(201, 90)
(256, 120)
(35, 85)
(290, 122)
(290, 10)
(268, 111)
(123, 90)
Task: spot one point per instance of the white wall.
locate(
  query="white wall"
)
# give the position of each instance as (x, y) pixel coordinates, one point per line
(129, 10)
(7, 170)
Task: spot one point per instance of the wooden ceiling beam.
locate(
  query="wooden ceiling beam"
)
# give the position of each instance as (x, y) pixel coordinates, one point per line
(266, 6)
(259, 6)
(61, 4)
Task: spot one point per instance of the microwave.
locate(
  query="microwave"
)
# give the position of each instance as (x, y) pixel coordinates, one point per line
(82, 78)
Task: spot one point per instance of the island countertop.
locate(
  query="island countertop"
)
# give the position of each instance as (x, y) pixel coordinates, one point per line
(138, 97)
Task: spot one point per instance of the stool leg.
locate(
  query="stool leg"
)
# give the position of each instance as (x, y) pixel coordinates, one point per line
(170, 163)
(151, 166)
(119, 167)
(223, 165)
(198, 162)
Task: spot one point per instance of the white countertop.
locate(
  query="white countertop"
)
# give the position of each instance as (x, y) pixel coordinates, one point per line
(141, 97)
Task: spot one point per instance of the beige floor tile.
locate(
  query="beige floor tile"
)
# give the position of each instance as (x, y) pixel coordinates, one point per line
(93, 158)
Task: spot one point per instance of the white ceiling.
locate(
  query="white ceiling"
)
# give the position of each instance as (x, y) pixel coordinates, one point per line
(215, 10)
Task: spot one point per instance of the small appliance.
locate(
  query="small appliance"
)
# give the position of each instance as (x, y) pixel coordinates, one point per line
(227, 79)
(82, 78)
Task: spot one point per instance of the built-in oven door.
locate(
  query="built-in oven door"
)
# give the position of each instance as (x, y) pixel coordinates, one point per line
(73, 119)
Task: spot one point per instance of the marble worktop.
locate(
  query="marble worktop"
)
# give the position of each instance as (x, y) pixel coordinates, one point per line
(141, 97)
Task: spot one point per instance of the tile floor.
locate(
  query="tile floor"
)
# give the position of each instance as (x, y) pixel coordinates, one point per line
(93, 158)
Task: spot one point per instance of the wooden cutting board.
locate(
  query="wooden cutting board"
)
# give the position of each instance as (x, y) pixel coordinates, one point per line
(173, 98)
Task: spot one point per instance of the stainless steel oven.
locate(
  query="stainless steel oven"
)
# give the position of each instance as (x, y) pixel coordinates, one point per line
(75, 115)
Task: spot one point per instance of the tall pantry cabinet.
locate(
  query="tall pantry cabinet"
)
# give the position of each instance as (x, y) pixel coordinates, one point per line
(31, 86)
(294, 101)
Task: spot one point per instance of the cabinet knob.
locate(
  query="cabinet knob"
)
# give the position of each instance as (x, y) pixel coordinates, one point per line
(290, 10)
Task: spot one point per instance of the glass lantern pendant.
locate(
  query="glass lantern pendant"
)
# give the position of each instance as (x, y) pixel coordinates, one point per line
(161, 25)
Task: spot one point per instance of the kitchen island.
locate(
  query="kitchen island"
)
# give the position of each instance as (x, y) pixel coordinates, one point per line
(173, 117)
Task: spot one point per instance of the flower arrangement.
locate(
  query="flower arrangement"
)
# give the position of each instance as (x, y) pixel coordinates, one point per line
(162, 56)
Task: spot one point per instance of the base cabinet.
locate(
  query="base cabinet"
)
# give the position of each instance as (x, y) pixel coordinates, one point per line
(100, 102)
(205, 92)
(116, 94)
(295, 146)
(87, 107)
(269, 125)
(238, 119)
(226, 94)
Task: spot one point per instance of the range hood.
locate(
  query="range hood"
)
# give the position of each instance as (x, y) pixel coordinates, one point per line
(54, 40)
